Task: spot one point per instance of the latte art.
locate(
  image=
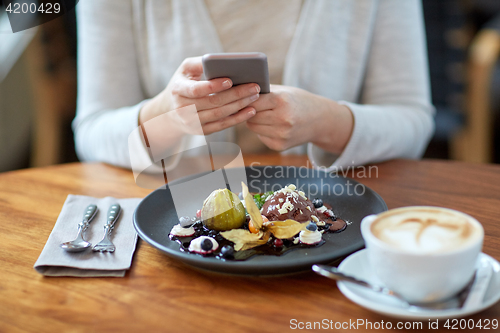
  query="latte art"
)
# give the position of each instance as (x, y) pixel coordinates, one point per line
(425, 231)
(423, 253)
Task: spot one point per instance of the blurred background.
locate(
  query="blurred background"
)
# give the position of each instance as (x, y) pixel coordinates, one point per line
(38, 86)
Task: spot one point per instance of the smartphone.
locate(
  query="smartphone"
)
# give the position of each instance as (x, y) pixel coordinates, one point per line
(247, 67)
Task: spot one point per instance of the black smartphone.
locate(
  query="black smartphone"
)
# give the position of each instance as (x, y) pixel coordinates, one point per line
(245, 67)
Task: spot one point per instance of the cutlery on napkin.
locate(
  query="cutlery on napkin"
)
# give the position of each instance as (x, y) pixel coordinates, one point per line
(54, 261)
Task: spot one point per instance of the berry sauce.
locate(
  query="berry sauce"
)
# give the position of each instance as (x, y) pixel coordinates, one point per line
(272, 247)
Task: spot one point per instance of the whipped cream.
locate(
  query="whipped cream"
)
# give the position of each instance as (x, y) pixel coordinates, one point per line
(195, 245)
(322, 209)
(310, 237)
(180, 231)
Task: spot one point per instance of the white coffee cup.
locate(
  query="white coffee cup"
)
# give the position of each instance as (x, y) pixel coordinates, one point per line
(436, 264)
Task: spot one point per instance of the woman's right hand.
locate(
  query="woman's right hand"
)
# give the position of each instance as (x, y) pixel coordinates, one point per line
(219, 105)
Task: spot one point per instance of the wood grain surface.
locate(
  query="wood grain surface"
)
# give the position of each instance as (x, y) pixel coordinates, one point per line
(160, 294)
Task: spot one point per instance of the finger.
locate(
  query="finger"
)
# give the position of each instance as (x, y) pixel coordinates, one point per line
(229, 121)
(227, 96)
(266, 102)
(198, 89)
(265, 117)
(208, 116)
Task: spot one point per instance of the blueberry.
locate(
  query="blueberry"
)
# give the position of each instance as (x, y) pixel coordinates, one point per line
(206, 244)
(312, 226)
(317, 203)
(227, 251)
(185, 221)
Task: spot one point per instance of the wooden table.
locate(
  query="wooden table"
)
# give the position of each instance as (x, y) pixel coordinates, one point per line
(162, 294)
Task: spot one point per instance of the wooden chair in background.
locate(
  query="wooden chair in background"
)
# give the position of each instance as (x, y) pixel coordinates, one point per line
(52, 71)
(474, 143)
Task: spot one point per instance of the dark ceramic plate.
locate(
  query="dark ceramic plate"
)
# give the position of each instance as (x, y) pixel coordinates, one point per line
(155, 216)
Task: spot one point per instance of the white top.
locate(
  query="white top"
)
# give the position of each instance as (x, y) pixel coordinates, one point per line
(241, 25)
(368, 55)
(238, 32)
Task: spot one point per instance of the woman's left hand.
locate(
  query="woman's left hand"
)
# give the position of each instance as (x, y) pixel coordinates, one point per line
(289, 116)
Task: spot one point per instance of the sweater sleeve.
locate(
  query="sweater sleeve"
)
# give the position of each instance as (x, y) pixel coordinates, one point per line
(110, 94)
(394, 116)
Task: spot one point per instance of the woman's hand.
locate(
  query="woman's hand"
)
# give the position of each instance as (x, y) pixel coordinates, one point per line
(288, 117)
(219, 105)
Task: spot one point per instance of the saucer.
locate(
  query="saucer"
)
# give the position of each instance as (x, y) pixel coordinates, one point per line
(357, 265)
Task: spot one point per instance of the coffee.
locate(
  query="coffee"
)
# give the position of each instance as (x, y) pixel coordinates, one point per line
(425, 254)
(426, 229)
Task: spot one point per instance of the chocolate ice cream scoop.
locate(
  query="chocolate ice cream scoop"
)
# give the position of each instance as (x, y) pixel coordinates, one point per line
(285, 205)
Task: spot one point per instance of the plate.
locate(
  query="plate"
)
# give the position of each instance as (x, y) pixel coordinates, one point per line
(155, 216)
(357, 265)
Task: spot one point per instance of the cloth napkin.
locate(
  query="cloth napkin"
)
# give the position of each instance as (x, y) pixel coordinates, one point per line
(54, 261)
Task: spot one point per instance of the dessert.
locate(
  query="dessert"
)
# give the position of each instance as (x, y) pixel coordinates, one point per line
(271, 223)
(180, 231)
(288, 203)
(203, 245)
(223, 210)
(310, 235)
(186, 221)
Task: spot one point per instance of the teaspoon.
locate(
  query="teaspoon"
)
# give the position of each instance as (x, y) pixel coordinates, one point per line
(80, 244)
(452, 303)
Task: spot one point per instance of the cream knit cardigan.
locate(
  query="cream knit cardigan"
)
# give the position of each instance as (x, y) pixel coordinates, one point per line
(367, 54)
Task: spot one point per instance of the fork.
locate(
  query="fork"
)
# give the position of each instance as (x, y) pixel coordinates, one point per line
(105, 245)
